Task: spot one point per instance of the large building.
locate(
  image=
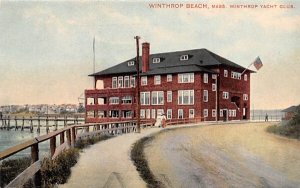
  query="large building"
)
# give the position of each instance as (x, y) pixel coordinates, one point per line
(182, 85)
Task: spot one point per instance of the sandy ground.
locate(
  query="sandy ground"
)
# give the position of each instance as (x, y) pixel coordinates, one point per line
(108, 164)
(241, 155)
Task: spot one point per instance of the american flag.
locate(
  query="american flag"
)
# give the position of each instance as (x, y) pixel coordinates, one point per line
(257, 63)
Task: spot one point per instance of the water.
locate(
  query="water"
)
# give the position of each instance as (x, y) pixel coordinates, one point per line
(14, 137)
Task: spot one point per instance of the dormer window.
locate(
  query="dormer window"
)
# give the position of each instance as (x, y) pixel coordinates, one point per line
(130, 63)
(156, 60)
(184, 57)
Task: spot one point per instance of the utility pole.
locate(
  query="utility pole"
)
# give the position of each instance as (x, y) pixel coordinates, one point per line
(138, 107)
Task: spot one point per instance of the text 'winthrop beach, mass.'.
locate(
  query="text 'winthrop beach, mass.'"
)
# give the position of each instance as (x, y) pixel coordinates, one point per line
(217, 6)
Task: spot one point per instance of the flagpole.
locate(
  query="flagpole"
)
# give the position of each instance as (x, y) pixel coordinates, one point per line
(246, 68)
(94, 54)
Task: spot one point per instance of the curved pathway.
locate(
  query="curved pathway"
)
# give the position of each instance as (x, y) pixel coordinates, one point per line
(240, 155)
(108, 164)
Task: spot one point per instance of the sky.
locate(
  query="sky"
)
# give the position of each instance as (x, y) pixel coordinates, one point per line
(46, 48)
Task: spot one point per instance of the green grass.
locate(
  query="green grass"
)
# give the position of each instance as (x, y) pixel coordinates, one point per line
(139, 159)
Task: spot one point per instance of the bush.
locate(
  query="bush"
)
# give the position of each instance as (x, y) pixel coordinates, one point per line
(58, 170)
(9, 169)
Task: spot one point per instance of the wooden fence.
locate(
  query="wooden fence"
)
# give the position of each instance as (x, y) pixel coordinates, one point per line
(67, 138)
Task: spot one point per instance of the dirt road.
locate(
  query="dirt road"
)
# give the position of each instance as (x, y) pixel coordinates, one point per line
(224, 156)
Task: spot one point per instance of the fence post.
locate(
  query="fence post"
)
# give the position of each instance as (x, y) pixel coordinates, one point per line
(52, 145)
(73, 136)
(34, 158)
(62, 137)
(69, 136)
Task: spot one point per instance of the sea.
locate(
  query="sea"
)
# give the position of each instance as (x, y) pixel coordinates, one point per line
(13, 137)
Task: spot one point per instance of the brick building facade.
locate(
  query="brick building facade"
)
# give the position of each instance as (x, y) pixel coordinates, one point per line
(182, 85)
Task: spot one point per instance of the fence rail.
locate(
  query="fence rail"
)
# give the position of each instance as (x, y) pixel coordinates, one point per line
(68, 136)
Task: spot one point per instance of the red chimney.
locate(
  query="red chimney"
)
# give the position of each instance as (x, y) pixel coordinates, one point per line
(145, 56)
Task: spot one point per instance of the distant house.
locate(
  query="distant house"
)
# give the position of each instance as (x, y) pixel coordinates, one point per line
(290, 112)
(182, 84)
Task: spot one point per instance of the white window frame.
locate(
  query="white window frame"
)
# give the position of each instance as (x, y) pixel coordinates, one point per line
(245, 77)
(142, 114)
(205, 95)
(169, 113)
(205, 78)
(157, 98)
(225, 73)
(114, 100)
(126, 82)
(120, 82)
(130, 63)
(153, 113)
(157, 80)
(225, 95)
(144, 80)
(245, 97)
(182, 94)
(213, 112)
(205, 112)
(156, 60)
(148, 115)
(184, 57)
(191, 113)
(144, 100)
(127, 98)
(132, 81)
(229, 113)
(160, 112)
(221, 112)
(169, 78)
(180, 114)
(169, 96)
(213, 87)
(186, 78)
(233, 113)
(114, 82)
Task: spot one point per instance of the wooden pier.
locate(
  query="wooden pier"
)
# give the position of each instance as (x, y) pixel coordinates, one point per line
(67, 139)
(16, 123)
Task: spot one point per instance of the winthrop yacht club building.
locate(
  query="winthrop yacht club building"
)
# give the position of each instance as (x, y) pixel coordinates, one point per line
(181, 85)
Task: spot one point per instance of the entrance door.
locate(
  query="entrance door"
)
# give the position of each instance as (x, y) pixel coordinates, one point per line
(225, 114)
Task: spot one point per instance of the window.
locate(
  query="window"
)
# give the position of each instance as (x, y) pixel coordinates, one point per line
(90, 101)
(153, 113)
(132, 81)
(148, 113)
(245, 97)
(157, 97)
(214, 76)
(205, 112)
(205, 95)
(142, 114)
(144, 80)
(184, 57)
(245, 77)
(229, 113)
(213, 113)
(225, 95)
(169, 113)
(180, 113)
(205, 78)
(233, 113)
(145, 98)
(126, 81)
(169, 96)
(160, 112)
(114, 100)
(127, 100)
(130, 63)
(232, 74)
(169, 78)
(185, 97)
(157, 80)
(156, 60)
(191, 113)
(186, 78)
(120, 81)
(236, 75)
(214, 87)
(221, 112)
(114, 82)
(91, 114)
(225, 73)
